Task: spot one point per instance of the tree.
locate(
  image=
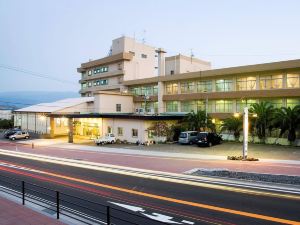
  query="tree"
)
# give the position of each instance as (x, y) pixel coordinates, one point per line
(288, 119)
(264, 115)
(234, 125)
(198, 121)
(160, 129)
(6, 124)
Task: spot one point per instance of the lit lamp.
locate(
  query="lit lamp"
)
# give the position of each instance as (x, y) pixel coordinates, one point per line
(236, 115)
(245, 132)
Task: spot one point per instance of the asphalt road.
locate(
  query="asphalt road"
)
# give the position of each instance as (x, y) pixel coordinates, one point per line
(173, 203)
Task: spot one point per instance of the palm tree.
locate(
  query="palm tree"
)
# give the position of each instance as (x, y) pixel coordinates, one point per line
(264, 115)
(288, 119)
(233, 124)
(198, 121)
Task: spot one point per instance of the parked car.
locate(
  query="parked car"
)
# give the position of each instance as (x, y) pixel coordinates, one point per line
(187, 137)
(208, 139)
(10, 132)
(19, 135)
(107, 139)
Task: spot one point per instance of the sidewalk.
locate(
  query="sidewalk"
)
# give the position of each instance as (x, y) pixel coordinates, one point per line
(153, 160)
(12, 213)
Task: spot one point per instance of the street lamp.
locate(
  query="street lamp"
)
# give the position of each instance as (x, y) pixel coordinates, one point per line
(245, 132)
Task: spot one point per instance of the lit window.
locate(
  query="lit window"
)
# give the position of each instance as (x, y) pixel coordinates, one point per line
(120, 131)
(241, 104)
(90, 84)
(204, 86)
(90, 73)
(187, 87)
(172, 106)
(224, 85)
(103, 82)
(187, 106)
(118, 107)
(172, 88)
(134, 133)
(246, 83)
(292, 102)
(224, 106)
(271, 82)
(276, 103)
(95, 71)
(293, 81)
(201, 105)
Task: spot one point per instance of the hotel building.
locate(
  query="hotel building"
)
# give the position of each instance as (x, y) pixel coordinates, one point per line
(137, 84)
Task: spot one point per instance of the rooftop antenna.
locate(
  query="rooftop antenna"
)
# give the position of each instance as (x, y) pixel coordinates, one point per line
(192, 55)
(144, 37)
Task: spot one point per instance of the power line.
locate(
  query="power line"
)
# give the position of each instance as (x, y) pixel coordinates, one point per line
(34, 74)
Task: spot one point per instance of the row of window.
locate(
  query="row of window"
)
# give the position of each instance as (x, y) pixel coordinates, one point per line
(242, 84)
(95, 83)
(223, 106)
(144, 90)
(102, 69)
(134, 132)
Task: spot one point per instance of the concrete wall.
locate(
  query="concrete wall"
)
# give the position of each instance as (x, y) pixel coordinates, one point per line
(106, 103)
(127, 125)
(138, 67)
(185, 64)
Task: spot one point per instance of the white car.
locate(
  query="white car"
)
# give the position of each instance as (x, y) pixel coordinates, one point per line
(19, 135)
(107, 139)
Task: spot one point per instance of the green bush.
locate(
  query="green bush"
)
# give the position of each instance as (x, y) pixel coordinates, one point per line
(6, 124)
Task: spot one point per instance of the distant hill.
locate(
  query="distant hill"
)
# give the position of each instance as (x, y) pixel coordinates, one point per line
(20, 99)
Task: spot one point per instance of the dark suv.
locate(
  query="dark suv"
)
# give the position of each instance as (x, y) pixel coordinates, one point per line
(208, 139)
(11, 132)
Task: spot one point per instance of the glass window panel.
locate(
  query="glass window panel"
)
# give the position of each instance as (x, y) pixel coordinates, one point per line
(172, 106)
(293, 80)
(204, 86)
(224, 106)
(292, 102)
(187, 106)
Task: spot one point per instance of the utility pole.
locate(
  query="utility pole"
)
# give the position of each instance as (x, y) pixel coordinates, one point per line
(245, 133)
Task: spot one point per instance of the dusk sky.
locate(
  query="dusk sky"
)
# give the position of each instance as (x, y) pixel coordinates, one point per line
(52, 38)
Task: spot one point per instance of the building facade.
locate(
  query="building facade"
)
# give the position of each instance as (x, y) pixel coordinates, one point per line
(125, 92)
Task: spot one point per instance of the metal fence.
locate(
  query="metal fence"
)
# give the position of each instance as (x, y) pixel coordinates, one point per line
(79, 209)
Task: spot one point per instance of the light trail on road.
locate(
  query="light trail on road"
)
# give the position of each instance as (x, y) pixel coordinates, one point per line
(148, 195)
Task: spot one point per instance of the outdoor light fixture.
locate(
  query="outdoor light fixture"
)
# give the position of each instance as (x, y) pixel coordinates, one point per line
(213, 120)
(42, 118)
(254, 115)
(236, 115)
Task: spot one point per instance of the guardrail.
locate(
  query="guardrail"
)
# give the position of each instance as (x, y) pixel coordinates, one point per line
(76, 208)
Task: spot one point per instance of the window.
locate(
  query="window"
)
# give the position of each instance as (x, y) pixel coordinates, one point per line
(241, 104)
(224, 85)
(120, 131)
(276, 103)
(172, 106)
(187, 106)
(224, 106)
(187, 87)
(135, 90)
(172, 72)
(201, 105)
(103, 82)
(119, 66)
(82, 75)
(293, 81)
(120, 80)
(118, 107)
(271, 82)
(133, 53)
(172, 88)
(246, 83)
(109, 130)
(204, 86)
(144, 56)
(150, 133)
(90, 84)
(83, 85)
(134, 133)
(292, 102)
(90, 73)
(95, 71)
